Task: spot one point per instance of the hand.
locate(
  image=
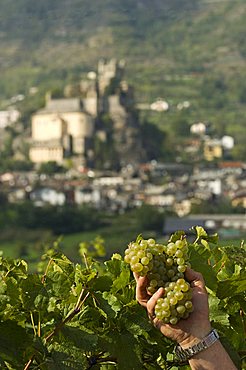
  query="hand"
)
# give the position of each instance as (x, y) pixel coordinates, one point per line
(185, 332)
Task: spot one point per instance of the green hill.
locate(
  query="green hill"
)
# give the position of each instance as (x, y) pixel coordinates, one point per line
(179, 50)
(157, 37)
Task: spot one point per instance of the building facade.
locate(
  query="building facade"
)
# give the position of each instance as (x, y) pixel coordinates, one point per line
(60, 130)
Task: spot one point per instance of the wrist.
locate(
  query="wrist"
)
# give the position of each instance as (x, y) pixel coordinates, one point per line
(184, 354)
(195, 335)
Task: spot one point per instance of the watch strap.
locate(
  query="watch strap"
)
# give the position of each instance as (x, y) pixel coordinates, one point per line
(185, 354)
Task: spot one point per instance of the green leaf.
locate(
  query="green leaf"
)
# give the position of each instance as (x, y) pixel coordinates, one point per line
(114, 267)
(180, 234)
(13, 342)
(58, 284)
(92, 318)
(3, 286)
(102, 283)
(103, 304)
(113, 301)
(122, 280)
(216, 313)
(135, 320)
(203, 236)
(87, 342)
(200, 232)
(66, 359)
(34, 295)
(122, 346)
(232, 287)
(199, 262)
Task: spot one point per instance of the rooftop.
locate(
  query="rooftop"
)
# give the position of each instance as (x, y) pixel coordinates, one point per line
(66, 105)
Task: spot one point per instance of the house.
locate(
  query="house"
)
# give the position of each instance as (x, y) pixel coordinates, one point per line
(46, 195)
(61, 129)
(7, 117)
(87, 195)
(212, 149)
(239, 199)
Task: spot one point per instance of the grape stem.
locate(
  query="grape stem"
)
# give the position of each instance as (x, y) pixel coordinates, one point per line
(74, 312)
(46, 270)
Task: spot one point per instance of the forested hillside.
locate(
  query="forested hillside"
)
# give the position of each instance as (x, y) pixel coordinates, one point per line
(179, 50)
(62, 38)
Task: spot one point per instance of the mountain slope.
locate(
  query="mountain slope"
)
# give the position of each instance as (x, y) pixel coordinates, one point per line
(62, 38)
(179, 50)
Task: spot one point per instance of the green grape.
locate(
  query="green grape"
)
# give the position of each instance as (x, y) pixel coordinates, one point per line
(165, 313)
(180, 309)
(170, 294)
(143, 243)
(137, 267)
(146, 269)
(180, 275)
(188, 305)
(150, 265)
(184, 287)
(172, 285)
(164, 266)
(151, 242)
(173, 320)
(169, 261)
(170, 273)
(127, 258)
(179, 254)
(180, 281)
(151, 289)
(180, 261)
(135, 246)
(144, 261)
(134, 260)
(173, 301)
(149, 255)
(141, 254)
(165, 306)
(179, 295)
(153, 283)
(181, 268)
(179, 244)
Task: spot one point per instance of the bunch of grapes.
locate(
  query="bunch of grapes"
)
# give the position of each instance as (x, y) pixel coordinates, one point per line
(164, 266)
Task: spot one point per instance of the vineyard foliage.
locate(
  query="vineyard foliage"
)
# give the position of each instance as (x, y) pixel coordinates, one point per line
(84, 315)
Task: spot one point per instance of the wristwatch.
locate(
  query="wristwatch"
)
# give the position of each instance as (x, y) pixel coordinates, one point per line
(184, 354)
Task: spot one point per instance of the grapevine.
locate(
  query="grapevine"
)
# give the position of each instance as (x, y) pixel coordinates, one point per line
(80, 315)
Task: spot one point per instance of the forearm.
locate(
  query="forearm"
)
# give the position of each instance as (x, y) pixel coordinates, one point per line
(212, 358)
(209, 352)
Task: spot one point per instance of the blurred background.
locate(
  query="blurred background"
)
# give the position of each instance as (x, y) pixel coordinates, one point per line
(119, 118)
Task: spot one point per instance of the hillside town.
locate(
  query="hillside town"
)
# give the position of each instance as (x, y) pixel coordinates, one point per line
(100, 110)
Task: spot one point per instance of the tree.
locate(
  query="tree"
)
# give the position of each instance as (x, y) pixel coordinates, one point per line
(50, 168)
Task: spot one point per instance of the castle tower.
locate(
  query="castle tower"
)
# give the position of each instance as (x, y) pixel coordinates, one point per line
(107, 70)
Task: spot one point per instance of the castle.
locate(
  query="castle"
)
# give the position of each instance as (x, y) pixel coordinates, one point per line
(66, 128)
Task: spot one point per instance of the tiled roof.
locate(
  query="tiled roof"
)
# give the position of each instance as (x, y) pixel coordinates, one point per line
(62, 106)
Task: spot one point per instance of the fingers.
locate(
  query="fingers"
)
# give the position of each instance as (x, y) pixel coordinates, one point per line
(136, 276)
(141, 290)
(195, 279)
(152, 302)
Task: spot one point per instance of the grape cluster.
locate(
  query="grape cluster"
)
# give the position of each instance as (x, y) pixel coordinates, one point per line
(164, 265)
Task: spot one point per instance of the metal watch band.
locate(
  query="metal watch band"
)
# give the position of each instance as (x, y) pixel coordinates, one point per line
(184, 354)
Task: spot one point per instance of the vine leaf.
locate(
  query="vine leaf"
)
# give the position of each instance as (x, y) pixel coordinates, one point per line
(233, 286)
(13, 342)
